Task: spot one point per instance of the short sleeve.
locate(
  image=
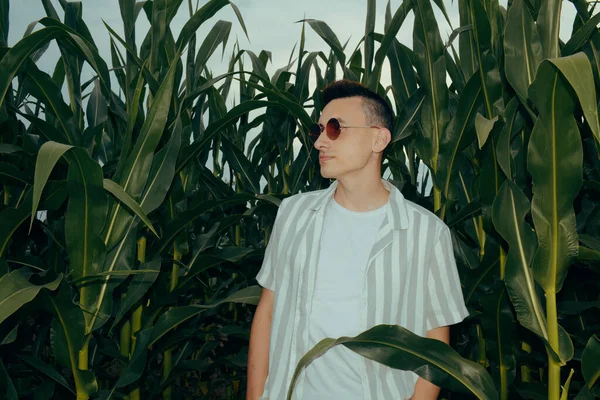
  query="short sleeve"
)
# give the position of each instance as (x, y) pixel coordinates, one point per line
(266, 275)
(445, 304)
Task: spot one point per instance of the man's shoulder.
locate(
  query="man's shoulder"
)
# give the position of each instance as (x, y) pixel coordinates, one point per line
(302, 196)
(416, 211)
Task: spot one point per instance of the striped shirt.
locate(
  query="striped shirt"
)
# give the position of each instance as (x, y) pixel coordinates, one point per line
(410, 280)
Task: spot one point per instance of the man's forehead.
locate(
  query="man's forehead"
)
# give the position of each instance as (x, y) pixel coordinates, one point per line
(344, 109)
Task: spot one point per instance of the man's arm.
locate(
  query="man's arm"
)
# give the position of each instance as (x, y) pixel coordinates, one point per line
(425, 390)
(258, 353)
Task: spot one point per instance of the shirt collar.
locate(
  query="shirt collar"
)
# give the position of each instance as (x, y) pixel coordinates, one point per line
(397, 212)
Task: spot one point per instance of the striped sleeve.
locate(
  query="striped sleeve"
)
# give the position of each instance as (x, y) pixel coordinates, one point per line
(266, 275)
(445, 303)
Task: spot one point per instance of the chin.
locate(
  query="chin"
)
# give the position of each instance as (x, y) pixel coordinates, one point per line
(328, 174)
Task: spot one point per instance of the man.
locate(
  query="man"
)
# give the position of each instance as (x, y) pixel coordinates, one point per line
(344, 259)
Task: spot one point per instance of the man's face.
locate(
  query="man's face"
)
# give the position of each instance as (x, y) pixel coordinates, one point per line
(353, 148)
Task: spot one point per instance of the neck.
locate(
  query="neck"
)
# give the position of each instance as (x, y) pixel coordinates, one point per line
(361, 196)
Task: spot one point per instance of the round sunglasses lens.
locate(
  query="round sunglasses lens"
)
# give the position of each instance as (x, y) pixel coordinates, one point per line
(333, 128)
(314, 131)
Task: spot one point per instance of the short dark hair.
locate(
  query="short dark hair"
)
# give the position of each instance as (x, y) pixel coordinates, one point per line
(377, 110)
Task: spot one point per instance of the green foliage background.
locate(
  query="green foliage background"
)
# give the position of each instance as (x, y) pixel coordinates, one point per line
(127, 264)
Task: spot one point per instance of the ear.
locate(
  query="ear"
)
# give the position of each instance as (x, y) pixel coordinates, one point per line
(383, 138)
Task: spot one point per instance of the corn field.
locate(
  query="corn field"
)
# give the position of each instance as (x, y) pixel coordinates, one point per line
(136, 206)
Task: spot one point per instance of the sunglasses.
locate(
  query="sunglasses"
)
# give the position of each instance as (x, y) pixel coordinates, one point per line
(333, 129)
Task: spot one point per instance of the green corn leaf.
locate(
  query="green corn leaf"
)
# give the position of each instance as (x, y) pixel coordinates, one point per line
(136, 366)
(72, 323)
(460, 132)
(299, 170)
(120, 274)
(369, 40)
(582, 36)
(483, 128)
(499, 330)
(142, 65)
(554, 159)
(79, 42)
(240, 164)
(455, 73)
(218, 35)
(159, 22)
(45, 129)
(388, 39)
(133, 108)
(404, 79)
(84, 220)
(199, 17)
(43, 87)
(548, 25)
(12, 171)
(508, 215)
(117, 191)
(211, 130)
(8, 337)
(590, 367)
(138, 287)
(431, 68)
(6, 382)
(48, 156)
(134, 173)
(16, 291)
(12, 217)
(176, 316)
(159, 183)
(117, 66)
(578, 71)
(162, 171)
(14, 58)
(187, 217)
(522, 48)
(399, 348)
(4, 23)
(96, 112)
(466, 42)
(409, 116)
(6, 148)
(47, 370)
(324, 31)
(513, 122)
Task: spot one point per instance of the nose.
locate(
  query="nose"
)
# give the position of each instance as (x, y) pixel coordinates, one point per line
(322, 139)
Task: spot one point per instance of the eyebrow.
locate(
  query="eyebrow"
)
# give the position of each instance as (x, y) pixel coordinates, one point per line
(339, 119)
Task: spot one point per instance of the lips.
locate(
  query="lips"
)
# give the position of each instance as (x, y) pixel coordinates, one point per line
(324, 158)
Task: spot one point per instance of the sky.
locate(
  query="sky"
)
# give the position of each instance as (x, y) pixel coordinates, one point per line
(271, 25)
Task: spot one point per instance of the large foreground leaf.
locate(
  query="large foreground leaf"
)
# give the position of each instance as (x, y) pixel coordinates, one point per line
(578, 71)
(399, 348)
(508, 214)
(554, 159)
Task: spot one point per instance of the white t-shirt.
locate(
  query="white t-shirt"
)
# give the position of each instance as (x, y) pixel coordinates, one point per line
(346, 242)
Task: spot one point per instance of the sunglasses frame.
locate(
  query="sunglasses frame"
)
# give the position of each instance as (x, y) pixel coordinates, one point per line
(336, 132)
